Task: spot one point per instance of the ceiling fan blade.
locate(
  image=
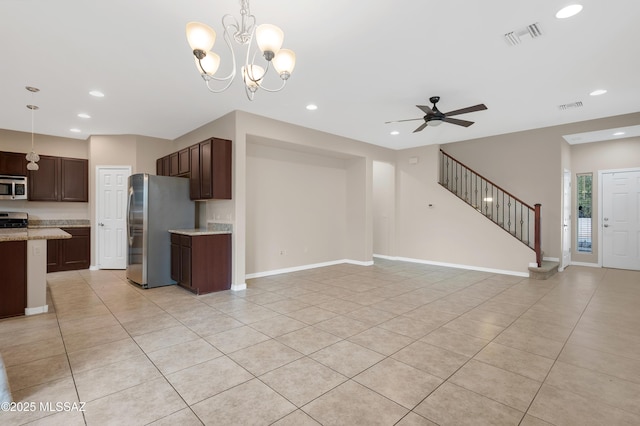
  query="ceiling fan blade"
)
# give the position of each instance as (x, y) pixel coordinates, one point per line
(425, 109)
(478, 107)
(400, 121)
(421, 128)
(464, 123)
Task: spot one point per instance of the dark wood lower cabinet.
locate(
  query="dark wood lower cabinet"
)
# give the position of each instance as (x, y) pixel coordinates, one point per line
(13, 285)
(201, 263)
(70, 254)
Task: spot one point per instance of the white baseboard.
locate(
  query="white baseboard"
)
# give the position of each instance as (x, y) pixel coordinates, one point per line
(590, 265)
(37, 310)
(305, 267)
(94, 268)
(455, 265)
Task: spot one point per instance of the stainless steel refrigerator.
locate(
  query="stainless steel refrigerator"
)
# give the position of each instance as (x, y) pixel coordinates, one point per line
(156, 204)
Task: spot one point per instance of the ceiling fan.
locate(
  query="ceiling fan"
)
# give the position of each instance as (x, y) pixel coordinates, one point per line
(434, 117)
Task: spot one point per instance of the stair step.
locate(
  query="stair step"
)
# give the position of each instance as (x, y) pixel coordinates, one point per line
(544, 272)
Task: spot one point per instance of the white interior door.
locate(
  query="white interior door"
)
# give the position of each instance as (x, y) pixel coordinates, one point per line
(566, 220)
(111, 211)
(621, 220)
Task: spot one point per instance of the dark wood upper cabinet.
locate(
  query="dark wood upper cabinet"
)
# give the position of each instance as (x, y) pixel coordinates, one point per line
(44, 183)
(159, 167)
(13, 163)
(74, 185)
(194, 176)
(215, 169)
(183, 162)
(174, 164)
(207, 165)
(59, 179)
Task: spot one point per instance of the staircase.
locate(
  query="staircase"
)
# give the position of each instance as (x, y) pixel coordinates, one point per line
(507, 211)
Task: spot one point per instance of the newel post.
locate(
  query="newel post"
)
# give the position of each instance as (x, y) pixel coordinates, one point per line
(538, 235)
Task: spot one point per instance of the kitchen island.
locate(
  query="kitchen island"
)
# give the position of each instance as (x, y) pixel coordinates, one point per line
(201, 258)
(26, 261)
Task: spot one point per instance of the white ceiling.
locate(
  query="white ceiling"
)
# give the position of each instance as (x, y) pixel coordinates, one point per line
(362, 63)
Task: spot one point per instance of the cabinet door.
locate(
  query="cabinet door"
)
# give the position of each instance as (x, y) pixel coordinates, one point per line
(53, 256)
(166, 162)
(44, 182)
(194, 170)
(221, 169)
(185, 266)
(174, 164)
(74, 180)
(75, 253)
(13, 163)
(159, 167)
(183, 161)
(175, 257)
(206, 185)
(13, 263)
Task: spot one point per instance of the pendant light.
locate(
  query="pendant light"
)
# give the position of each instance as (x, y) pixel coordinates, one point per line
(32, 157)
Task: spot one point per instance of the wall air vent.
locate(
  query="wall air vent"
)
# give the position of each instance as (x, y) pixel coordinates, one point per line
(572, 105)
(514, 38)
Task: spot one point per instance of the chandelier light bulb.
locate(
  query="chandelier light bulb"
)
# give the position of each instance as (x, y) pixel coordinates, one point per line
(200, 36)
(209, 64)
(253, 76)
(32, 166)
(284, 62)
(269, 39)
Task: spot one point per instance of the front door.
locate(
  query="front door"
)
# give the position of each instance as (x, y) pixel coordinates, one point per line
(111, 211)
(621, 220)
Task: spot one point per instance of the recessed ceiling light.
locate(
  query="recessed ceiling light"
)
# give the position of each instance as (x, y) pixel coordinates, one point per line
(569, 11)
(96, 93)
(83, 115)
(394, 132)
(598, 92)
(74, 130)
(618, 134)
(312, 107)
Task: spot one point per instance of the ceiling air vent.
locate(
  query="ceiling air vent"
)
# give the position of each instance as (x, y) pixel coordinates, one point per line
(572, 105)
(514, 38)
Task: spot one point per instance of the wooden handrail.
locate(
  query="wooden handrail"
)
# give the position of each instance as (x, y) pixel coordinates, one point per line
(488, 180)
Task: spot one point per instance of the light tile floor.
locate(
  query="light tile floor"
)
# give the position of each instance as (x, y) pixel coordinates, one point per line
(393, 343)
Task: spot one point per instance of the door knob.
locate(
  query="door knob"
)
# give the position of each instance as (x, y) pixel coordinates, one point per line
(606, 226)
(101, 224)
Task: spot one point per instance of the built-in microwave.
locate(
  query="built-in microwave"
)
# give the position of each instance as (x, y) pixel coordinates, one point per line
(13, 187)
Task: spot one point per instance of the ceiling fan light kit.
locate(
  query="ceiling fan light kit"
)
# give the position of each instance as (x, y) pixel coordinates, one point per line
(434, 117)
(269, 39)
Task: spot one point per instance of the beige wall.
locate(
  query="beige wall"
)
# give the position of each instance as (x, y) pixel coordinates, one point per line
(434, 225)
(384, 211)
(526, 164)
(592, 158)
(296, 208)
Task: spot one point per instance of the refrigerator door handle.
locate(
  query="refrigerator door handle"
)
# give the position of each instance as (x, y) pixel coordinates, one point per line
(129, 217)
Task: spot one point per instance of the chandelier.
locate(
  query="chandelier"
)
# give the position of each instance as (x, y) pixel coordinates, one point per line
(32, 157)
(269, 39)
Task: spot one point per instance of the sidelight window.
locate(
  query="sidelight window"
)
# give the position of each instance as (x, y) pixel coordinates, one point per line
(584, 194)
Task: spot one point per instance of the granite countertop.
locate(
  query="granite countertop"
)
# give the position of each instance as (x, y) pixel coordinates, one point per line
(33, 234)
(211, 229)
(197, 231)
(59, 223)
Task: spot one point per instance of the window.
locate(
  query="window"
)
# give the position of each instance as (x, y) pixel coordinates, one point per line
(584, 211)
